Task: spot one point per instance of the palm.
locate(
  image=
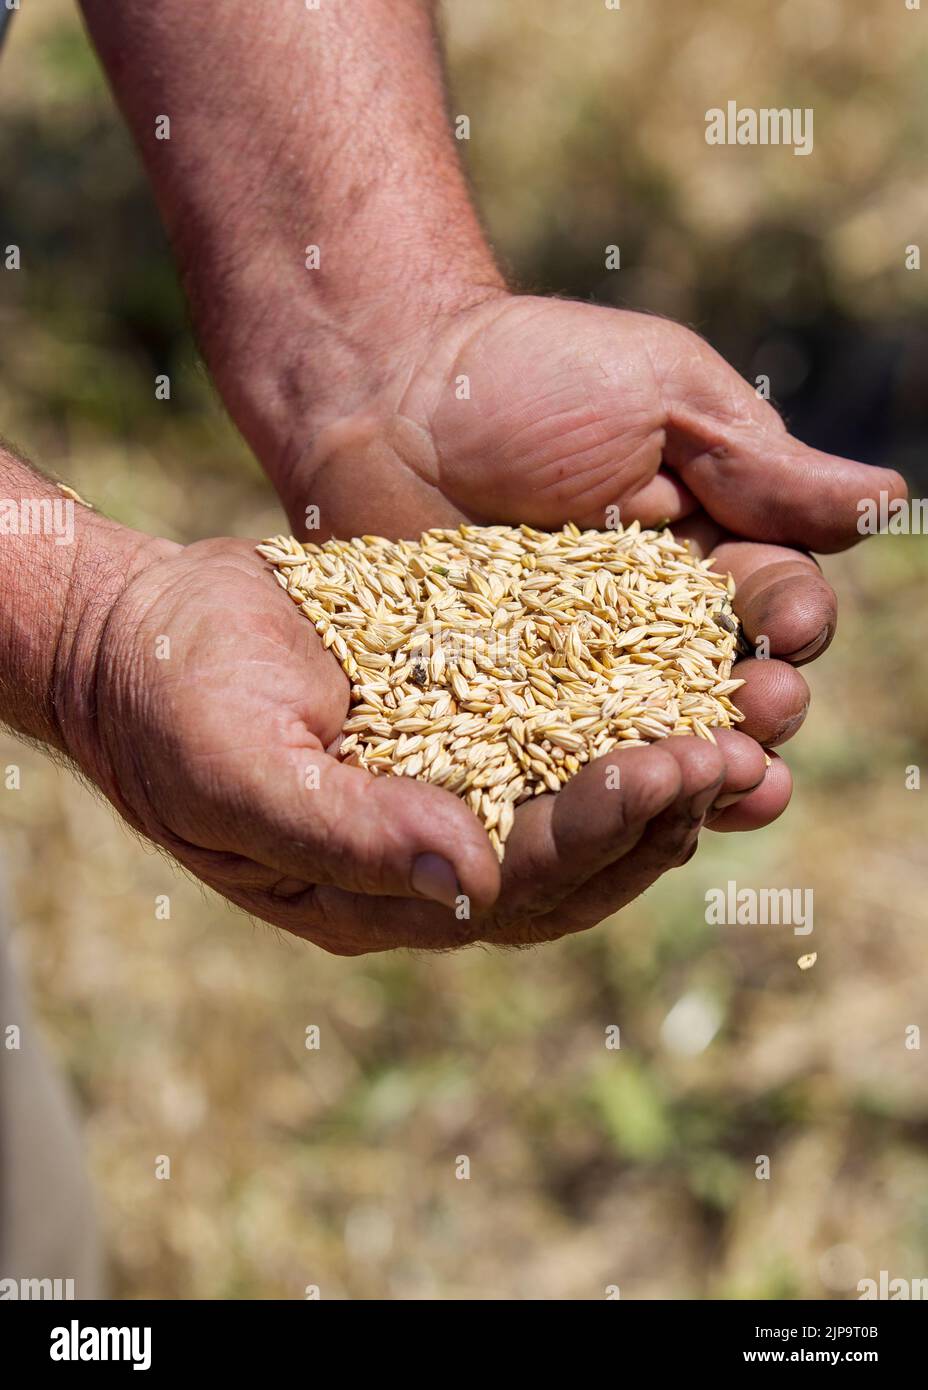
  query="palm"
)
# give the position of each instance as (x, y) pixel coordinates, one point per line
(224, 687)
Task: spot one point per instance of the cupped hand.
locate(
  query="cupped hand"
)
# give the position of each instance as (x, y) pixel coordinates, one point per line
(214, 721)
(544, 411)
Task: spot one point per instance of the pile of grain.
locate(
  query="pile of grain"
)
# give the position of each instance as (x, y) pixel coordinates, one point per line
(496, 661)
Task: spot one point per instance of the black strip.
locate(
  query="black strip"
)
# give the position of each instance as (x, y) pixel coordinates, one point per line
(245, 1339)
(5, 17)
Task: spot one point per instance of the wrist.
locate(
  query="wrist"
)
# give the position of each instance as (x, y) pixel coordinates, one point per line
(316, 459)
(313, 191)
(106, 560)
(316, 354)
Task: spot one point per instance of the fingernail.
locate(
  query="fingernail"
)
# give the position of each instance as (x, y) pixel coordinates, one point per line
(730, 798)
(433, 877)
(811, 648)
(789, 726)
(703, 800)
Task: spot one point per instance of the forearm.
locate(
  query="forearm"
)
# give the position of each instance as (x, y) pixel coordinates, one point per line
(292, 128)
(61, 567)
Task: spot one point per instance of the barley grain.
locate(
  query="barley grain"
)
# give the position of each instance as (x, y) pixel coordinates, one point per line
(496, 661)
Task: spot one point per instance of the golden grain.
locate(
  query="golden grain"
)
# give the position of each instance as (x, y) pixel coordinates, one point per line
(497, 661)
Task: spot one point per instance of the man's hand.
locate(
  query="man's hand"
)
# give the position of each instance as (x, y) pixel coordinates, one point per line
(210, 716)
(544, 411)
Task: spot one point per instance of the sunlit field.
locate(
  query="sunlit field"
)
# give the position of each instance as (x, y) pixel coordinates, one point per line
(590, 1165)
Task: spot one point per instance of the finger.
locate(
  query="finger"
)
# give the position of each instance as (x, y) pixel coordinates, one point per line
(668, 840)
(745, 767)
(559, 841)
(780, 593)
(344, 923)
(663, 499)
(774, 700)
(355, 924)
(315, 819)
(733, 452)
(760, 807)
(529, 916)
(759, 481)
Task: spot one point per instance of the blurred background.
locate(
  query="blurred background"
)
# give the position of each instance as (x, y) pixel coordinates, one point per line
(589, 1167)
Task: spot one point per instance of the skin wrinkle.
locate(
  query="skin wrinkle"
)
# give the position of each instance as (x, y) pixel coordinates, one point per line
(594, 486)
(559, 470)
(589, 417)
(607, 432)
(789, 726)
(567, 414)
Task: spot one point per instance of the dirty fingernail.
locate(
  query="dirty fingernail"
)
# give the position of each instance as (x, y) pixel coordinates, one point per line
(811, 649)
(434, 878)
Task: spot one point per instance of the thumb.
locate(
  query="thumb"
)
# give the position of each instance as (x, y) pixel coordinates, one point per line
(759, 481)
(732, 451)
(326, 822)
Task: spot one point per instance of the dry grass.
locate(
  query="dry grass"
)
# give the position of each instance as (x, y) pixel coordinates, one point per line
(495, 661)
